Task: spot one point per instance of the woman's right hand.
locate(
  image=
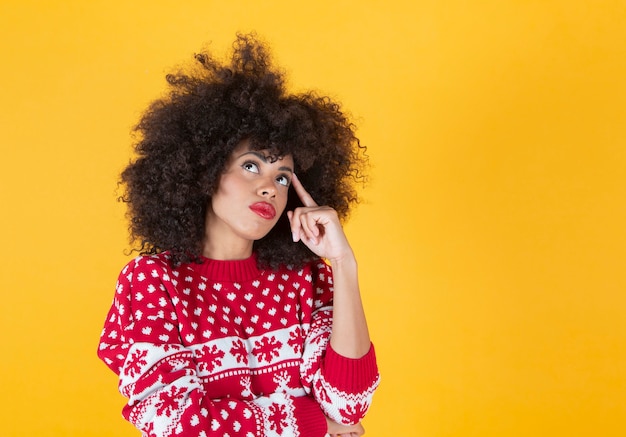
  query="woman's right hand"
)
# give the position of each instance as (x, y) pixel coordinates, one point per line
(337, 430)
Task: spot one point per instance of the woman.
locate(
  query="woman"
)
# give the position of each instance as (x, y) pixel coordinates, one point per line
(230, 323)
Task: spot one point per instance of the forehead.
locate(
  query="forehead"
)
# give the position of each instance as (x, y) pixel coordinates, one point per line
(246, 148)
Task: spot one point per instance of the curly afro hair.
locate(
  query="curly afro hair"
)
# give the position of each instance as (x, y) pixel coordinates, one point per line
(186, 138)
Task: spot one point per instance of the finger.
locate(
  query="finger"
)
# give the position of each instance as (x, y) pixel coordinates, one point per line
(312, 221)
(303, 194)
(308, 226)
(303, 223)
(295, 227)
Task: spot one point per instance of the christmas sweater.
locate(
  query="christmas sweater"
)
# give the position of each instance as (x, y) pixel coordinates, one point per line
(222, 348)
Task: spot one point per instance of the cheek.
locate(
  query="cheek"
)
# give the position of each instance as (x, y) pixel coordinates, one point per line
(283, 201)
(223, 199)
(228, 187)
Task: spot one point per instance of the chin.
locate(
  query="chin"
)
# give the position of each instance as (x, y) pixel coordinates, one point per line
(256, 230)
(261, 236)
(256, 235)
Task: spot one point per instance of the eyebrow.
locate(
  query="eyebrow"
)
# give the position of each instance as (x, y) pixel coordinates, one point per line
(264, 159)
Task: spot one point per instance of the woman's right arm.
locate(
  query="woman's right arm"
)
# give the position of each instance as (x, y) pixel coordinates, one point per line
(140, 342)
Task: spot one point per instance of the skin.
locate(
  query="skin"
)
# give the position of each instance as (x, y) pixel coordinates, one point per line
(232, 228)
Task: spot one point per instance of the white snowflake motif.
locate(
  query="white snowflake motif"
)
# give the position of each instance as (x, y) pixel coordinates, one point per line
(282, 380)
(246, 385)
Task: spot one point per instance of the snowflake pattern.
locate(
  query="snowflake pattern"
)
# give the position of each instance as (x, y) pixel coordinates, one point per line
(277, 418)
(353, 412)
(266, 349)
(210, 357)
(240, 352)
(136, 363)
(282, 380)
(239, 341)
(296, 338)
(169, 400)
(321, 392)
(149, 430)
(246, 385)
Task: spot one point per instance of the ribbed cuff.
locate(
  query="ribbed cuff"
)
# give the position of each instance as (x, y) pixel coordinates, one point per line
(309, 417)
(351, 375)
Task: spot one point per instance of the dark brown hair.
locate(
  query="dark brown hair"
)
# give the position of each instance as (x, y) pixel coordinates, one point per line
(186, 138)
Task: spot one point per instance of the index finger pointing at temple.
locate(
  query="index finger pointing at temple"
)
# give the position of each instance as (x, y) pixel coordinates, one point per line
(303, 194)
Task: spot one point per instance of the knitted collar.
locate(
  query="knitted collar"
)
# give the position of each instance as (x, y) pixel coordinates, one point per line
(230, 270)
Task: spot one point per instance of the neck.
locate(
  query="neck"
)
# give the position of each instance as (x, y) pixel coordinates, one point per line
(221, 242)
(227, 252)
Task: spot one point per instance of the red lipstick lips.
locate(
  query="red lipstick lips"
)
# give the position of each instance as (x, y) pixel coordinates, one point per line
(263, 209)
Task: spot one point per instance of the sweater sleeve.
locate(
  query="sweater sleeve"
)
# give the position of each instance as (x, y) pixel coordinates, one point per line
(342, 386)
(158, 374)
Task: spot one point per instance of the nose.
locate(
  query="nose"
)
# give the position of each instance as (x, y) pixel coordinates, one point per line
(267, 188)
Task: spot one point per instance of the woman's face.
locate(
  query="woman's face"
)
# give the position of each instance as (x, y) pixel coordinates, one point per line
(250, 197)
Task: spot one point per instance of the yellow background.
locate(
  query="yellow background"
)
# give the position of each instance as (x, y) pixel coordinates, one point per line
(492, 242)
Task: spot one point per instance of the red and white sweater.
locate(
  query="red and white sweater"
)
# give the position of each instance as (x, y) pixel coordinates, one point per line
(225, 349)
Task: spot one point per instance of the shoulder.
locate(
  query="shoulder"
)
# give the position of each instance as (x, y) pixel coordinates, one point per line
(146, 266)
(315, 271)
(314, 265)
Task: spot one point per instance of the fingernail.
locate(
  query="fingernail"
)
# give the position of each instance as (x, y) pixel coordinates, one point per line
(294, 237)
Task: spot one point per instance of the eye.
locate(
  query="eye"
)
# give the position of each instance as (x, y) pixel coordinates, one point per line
(283, 180)
(250, 166)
